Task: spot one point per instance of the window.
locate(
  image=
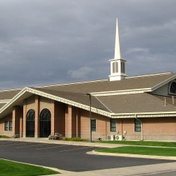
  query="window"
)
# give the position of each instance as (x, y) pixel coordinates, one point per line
(115, 67)
(30, 116)
(112, 125)
(122, 67)
(173, 88)
(30, 123)
(45, 123)
(137, 125)
(45, 115)
(8, 126)
(93, 125)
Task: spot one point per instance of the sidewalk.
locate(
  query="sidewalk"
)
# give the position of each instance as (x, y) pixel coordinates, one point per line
(127, 171)
(46, 140)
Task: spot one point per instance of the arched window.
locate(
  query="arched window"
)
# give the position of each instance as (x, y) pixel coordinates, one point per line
(30, 115)
(172, 88)
(45, 115)
(45, 123)
(30, 121)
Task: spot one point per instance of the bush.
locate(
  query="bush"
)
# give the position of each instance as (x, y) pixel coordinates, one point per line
(56, 136)
(4, 136)
(75, 139)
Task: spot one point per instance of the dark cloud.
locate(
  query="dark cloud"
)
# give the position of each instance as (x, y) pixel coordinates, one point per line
(46, 42)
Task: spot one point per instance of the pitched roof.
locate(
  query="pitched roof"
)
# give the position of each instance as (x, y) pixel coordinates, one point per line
(75, 97)
(137, 82)
(8, 94)
(75, 94)
(136, 103)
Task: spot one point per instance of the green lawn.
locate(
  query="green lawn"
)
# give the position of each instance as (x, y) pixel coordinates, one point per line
(144, 143)
(155, 151)
(9, 168)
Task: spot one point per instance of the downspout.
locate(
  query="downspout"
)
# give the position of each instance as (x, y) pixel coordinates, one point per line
(90, 115)
(141, 127)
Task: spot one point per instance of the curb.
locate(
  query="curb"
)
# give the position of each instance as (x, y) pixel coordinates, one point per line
(132, 155)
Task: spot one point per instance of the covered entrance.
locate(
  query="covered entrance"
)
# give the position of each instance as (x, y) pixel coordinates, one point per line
(30, 119)
(45, 123)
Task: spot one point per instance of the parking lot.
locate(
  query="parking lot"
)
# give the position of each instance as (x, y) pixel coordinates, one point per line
(66, 157)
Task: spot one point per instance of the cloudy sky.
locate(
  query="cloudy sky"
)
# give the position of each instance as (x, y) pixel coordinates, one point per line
(56, 41)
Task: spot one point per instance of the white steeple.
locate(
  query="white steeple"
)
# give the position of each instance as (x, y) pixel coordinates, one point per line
(117, 52)
(117, 65)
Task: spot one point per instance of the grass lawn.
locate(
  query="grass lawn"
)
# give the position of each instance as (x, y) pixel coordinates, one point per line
(9, 168)
(141, 150)
(145, 143)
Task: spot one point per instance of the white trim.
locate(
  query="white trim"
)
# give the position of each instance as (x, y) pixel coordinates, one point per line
(144, 114)
(73, 83)
(149, 75)
(121, 92)
(87, 107)
(164, 82)
(55, 98)
(13, 99)
(9, 90)
(4, 101)
(136, 91)
(70, 102)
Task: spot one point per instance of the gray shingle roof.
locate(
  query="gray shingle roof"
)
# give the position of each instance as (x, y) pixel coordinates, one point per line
(76, 97)
(135, 103)
(8, 94)
(126, 103)
(138, 82)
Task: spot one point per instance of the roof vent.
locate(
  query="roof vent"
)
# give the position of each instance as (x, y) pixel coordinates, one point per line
(165, 101)
(173, 100)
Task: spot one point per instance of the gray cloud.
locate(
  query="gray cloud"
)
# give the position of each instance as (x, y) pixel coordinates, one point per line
(46, 42)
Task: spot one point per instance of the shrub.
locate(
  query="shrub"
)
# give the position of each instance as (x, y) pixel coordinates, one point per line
(56, 136)
(75, 139)
(4, 136)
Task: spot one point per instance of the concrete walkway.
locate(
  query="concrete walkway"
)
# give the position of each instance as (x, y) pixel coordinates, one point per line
(126, 171)
(45, 140)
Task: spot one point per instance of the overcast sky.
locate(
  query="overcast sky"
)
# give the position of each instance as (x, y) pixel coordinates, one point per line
(56, 41)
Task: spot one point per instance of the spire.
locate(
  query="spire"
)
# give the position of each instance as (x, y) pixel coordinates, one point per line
(117, 52)
(117, 65)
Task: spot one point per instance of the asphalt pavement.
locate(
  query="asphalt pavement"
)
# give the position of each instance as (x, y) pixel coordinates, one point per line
(71, 158)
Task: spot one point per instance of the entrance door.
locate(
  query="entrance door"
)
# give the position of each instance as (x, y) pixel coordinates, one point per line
(30, 119)
(45, 123)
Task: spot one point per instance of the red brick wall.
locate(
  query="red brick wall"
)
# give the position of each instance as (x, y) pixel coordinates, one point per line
(152, 129)
(2, 132)
(16, 116)
(159, 128)
(84, 124)
(60, 118)
(102, 125)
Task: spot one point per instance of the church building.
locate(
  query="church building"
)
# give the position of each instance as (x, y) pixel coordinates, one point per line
(117, 108)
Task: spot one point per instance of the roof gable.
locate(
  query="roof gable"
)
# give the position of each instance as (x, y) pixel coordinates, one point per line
(74, 99)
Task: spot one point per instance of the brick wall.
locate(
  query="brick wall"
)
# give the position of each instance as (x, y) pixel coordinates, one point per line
(2, 131)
